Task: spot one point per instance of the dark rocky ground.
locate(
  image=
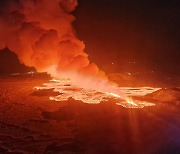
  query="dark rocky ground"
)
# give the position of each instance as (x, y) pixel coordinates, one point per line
(30, 123)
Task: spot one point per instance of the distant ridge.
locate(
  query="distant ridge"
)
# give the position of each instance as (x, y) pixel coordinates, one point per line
(9, 63)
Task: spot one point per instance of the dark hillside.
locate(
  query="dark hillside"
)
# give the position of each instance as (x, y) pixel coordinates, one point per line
(9, 63)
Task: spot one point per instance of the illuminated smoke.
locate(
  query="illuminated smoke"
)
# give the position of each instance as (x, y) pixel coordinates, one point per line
(40, 32)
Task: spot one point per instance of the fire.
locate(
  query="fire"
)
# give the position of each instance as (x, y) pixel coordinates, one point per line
(42, 35)
(67, 90)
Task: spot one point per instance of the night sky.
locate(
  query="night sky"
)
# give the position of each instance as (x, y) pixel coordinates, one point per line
(131, 36)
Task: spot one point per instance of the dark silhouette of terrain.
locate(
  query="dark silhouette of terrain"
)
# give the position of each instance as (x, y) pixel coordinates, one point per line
(9, 63)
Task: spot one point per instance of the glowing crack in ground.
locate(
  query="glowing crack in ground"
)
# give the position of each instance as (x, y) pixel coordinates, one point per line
(67, 90)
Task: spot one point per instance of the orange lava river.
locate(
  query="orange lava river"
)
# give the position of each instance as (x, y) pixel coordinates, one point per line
(67, 90)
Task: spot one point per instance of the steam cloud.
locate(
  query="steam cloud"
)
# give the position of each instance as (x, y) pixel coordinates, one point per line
(40, 32)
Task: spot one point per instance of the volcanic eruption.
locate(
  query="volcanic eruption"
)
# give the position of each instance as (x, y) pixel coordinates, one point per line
(54, 99)
(42, 35)
(40, 32)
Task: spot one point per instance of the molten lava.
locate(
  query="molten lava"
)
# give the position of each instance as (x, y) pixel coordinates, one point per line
(42, 35)
(67, 90)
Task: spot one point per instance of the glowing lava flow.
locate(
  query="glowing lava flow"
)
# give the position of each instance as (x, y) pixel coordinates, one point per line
(130, 102)
(67, 90)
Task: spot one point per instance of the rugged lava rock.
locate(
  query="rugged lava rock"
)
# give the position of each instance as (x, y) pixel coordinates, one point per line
(165, 95)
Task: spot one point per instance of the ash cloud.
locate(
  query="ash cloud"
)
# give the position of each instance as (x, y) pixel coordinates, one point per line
(40, 32)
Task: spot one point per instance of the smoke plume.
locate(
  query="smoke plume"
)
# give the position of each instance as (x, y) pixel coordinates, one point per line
(40, 32)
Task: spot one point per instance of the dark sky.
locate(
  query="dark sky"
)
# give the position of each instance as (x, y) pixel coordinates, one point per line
(139, 35)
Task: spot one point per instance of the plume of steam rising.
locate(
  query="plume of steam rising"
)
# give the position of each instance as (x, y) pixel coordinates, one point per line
(40, 32)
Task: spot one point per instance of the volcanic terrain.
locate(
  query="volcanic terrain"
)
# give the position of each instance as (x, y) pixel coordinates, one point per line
(31, 123)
